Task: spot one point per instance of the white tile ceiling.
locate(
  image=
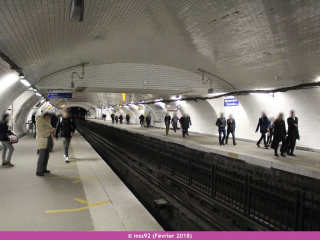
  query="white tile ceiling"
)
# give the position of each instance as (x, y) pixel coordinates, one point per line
(250, 43)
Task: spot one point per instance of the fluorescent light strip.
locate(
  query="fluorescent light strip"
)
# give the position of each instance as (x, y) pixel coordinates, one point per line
(25, 82)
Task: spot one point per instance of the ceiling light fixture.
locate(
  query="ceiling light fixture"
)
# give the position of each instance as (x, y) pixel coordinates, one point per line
(25, 82)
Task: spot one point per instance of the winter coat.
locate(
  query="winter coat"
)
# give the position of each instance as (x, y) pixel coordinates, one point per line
(141, 118)
(184, 123)
(175, 119)
(231, 125)
(279, 130)
(112, 116)
(43, 132)
(4, 129)
(263, 124)
(148, 119)
(221, 122)
(65, 126)
(167, 119)
(293, 131)
(127, 117)
(54, 121)
(188, 121)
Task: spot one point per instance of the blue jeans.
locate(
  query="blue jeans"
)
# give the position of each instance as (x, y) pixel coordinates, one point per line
(222, 131)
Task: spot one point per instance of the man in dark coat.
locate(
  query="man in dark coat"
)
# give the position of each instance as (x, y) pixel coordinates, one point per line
(66, 126)
(231, 123)
(167, 120)
(128, 118)
(141, 118)
(279, 135)
(264, 125)
(112, 118)
(148, 120)
(184, 124)
(189, 123)
(293, 132)
(221, 123)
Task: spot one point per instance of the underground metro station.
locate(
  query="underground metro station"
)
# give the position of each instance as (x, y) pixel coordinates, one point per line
(140, 115)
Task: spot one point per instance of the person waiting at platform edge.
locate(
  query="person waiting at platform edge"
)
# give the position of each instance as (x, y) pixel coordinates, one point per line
(148, 120)
(6, 145)
(264, 125)
(112, 118)
(128, 118)
(279, 136)
(221, 123)
(231, 128)
(141, 118)
(121, 118)
(117, 119)
(44, 141)
(66, 126)
(184, 124)
(293, 132)
(167, 120)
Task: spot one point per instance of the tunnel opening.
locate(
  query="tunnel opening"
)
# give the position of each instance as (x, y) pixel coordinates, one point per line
(78, 112)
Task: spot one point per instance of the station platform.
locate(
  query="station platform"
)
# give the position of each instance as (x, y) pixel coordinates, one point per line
(84, 195)
(305, 163)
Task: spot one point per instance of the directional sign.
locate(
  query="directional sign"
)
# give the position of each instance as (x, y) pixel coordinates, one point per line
(231, 102)
(59, 95)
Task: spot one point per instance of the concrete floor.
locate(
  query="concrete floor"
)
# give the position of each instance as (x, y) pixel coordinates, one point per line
(85, 195)
(305, 163)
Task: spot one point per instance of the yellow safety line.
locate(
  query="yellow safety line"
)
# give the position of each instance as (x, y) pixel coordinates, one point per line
(66, 170)
(80, 200)
(78, 209)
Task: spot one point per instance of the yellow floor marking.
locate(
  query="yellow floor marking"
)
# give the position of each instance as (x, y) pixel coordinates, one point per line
(80, 200)
(78, 209)
(66, 170)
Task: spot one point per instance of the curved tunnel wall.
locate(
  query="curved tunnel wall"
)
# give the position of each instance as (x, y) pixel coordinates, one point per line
(21, 119)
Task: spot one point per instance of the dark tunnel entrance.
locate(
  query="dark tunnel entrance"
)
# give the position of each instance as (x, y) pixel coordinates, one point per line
(78, 112)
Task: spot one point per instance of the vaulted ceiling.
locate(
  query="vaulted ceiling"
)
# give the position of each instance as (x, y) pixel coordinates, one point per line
(249, 43)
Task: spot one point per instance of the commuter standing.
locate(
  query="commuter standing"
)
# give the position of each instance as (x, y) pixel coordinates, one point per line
(6, 145)
(121, 119)
(174, 121)
(184, 125)
(141, 118)
(104, 117)
(279, 136)
(33, 119)
(189, 123)
(45, 142)
(270, 132)
(221, 123)
(293, 132)
(117, 119)
(112, 118)
(231, 128)
(66, 126)
(264, 125)
(167, 120)
(148, 121)
(128, 118)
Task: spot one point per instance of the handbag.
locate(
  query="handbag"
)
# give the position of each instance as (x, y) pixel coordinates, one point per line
(13, 138)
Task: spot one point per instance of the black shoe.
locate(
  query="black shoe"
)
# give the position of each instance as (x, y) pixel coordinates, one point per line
(67, 161)
(46, 171)
(51, 150)
(40, 174)
(222, 143)
(266, 147)
(277, 155)
(234, 144)
(282, 155)
(226, 143)
(258, 144)
(291, 154)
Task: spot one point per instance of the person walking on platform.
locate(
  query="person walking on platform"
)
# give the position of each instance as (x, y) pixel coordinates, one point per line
(167, 121)
(231, 128)
(104, 116)
(117, 119)
(128, 118)
(270, 132)
(264, 125)
(45, 142)
(189, 123)
(6, 145)
(112, 118)
(221, 123)
(66, 126)
(174, 121)
(148, 121)
(184, 125)
(141, 118)
(293, 132)
(121, 119)
(279, 136)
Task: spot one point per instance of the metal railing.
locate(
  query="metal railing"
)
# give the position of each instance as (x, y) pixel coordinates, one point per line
(270, 204)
